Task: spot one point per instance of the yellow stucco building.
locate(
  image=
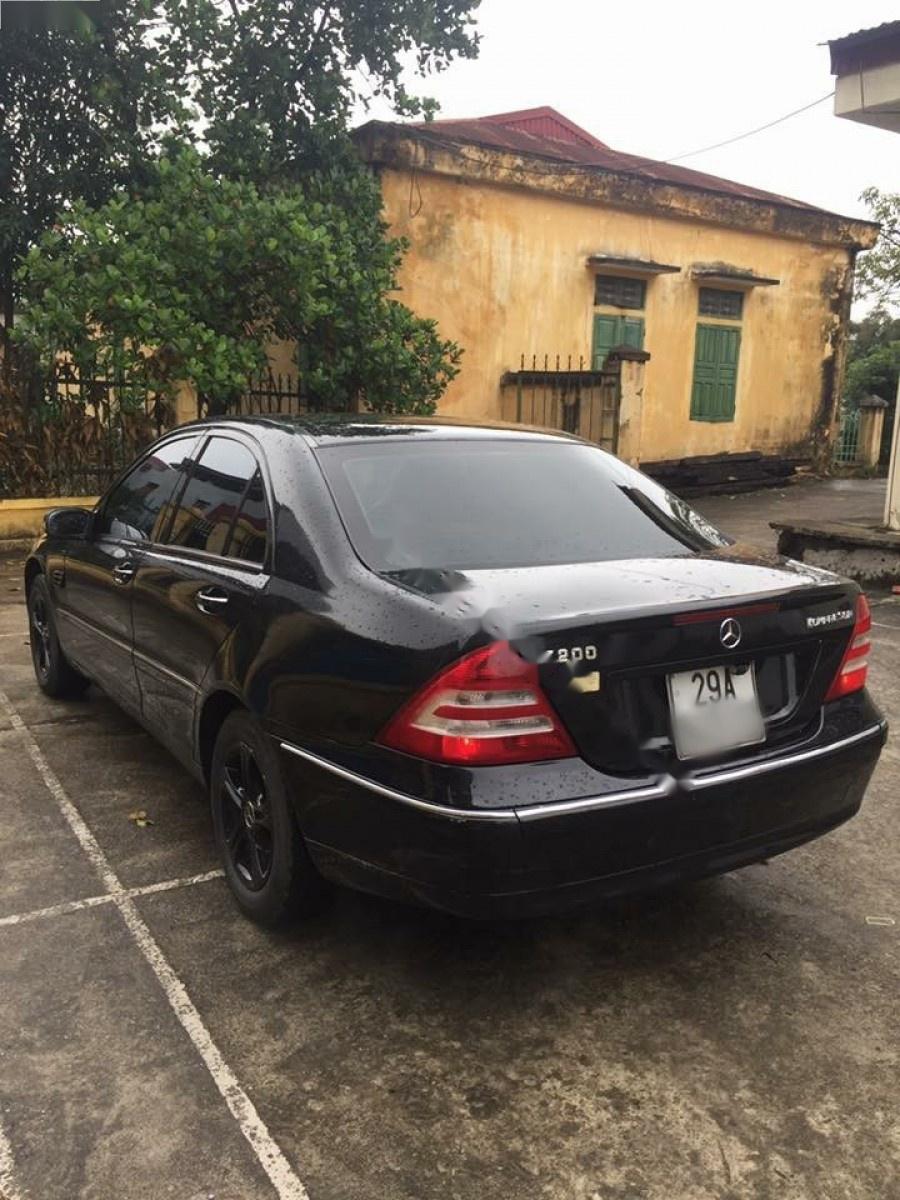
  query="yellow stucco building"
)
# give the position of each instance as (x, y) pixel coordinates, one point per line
(528, 238)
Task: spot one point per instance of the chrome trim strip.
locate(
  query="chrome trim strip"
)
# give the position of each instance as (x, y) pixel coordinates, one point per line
(147, 661)
(129, 649)
(666, 785)
(437, 810)
(735, 774)
(198, 558)
(537, 811)
(91, 628)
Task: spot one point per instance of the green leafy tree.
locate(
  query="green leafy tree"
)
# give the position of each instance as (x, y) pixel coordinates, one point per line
(276, 83)
(878, 271)
(193, 277)
(277, 80)
(873, 362)
(84, 97)
(179, 276)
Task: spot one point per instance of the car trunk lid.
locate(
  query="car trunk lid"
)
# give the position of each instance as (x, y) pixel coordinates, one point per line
(607, 635)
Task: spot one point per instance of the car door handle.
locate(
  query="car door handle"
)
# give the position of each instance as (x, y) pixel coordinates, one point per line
(211, 599)
(124, 573)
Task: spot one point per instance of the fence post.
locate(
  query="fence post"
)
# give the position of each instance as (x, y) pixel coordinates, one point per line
(630, 363)
(185, 403)
(871, 425)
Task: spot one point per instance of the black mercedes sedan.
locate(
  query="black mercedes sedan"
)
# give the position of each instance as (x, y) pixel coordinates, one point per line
(490, 669)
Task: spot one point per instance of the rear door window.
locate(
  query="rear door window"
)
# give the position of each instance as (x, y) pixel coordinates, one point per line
(248, 538)
(137, 509)
(222, 509)
(469, 504)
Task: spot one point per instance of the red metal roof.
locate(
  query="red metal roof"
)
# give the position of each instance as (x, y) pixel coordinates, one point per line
(543, 122)
(545, 133)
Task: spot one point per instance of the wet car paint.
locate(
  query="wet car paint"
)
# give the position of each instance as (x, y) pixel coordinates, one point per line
(324, 651)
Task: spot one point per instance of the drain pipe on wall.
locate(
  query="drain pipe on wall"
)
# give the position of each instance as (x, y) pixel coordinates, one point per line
(892, 502)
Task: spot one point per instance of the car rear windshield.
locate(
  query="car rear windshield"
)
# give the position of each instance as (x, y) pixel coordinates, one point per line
(471, 504)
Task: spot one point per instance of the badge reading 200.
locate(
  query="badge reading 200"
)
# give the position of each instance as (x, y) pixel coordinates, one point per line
(576, 654)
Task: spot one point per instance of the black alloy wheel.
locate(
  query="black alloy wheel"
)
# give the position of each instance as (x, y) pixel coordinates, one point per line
(55, 674)
(267, 865)
(40, 635)
(246, 822)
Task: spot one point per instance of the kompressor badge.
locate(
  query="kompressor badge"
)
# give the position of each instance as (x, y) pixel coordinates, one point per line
(840, 617)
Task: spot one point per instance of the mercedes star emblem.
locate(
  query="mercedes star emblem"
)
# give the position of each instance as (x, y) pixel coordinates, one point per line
(730, 633)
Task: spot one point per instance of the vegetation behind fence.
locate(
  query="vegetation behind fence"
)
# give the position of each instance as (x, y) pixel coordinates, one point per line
(69, 433)
(64, 432)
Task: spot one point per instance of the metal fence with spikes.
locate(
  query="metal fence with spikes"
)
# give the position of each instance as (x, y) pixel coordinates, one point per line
(273, 392)
(846, 445)
(565, 393)
(68, 432)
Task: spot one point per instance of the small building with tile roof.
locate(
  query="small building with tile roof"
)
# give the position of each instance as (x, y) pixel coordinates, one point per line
(540, 249)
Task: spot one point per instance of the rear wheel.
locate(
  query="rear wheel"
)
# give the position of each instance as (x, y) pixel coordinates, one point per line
(266, 863)
(55, 674)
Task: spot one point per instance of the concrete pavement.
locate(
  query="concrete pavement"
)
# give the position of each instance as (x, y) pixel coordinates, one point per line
(746, 516)
(735, 1039)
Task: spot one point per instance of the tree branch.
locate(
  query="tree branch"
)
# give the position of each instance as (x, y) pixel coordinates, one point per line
(316, 37)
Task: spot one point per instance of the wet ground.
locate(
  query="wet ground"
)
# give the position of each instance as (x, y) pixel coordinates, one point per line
(746, 516)
(735, 1039)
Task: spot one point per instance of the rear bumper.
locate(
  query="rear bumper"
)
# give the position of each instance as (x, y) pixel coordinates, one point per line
(537, 858)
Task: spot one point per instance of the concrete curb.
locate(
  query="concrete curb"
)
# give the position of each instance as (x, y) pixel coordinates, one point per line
(867, 553)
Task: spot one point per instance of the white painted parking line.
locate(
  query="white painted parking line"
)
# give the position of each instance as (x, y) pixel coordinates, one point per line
(284, 1179)
(74, 819)
(70, 906)
(8, 1190)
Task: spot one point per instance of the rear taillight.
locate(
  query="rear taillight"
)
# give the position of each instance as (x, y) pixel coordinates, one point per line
(485, 710)
(851, 674)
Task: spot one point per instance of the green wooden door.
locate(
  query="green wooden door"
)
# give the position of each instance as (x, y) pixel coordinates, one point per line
(612, 331)
(715, 373)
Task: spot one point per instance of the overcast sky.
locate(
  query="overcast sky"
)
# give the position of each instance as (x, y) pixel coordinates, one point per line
(661, 79)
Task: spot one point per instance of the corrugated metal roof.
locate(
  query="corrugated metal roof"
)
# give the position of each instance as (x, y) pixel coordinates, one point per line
(517, 132)
(867, 35)
(866, 48)
(545, 122)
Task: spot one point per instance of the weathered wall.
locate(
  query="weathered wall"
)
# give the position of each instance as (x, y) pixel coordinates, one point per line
(503, 270)
(21, 520)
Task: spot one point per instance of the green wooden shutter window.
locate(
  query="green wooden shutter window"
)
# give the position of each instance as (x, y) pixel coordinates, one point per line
(715, 373)
(612, 331)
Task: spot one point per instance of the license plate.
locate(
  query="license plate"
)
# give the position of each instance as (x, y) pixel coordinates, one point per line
(714, 709)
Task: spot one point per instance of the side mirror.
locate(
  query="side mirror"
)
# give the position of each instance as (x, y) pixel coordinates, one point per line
(68, 522)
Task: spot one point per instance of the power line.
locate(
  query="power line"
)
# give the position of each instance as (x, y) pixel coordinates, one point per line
(750, 132)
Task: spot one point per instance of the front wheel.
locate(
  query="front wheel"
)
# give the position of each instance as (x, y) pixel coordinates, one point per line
(266, 863)
(55, 674)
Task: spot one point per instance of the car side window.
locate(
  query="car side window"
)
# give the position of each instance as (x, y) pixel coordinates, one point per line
(137, 508)
(248, 538)
(222, 496)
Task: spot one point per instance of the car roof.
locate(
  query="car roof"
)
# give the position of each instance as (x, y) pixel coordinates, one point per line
(322, 429)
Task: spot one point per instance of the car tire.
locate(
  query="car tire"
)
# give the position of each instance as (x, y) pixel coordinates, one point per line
(266, 862)
(54, 673)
